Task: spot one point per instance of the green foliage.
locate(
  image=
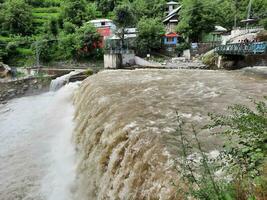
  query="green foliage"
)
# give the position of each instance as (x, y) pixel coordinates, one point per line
(46, 10)
(209, 59)
(196, 18)
(246, 130)
(47, 47)
(74, 11)
(92, 12)
(69, 28)
(124, 16)
(149, 8)
(150, 35)
(182, 46)
(89, 72)
(52, 27)
(199, 176)
(264, 23)
(67, 47)
(17, 17)
(243, 157)
(106, 6)
(88, 39)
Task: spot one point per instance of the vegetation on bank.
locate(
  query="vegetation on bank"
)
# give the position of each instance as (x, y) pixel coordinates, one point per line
(238, 172)
(55, 28)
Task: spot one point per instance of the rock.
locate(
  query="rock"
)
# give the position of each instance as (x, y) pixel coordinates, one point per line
(40, 86)
(5, 71)
(11, 91)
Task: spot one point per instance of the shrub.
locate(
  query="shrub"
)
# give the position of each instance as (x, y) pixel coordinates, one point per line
(264, 23)
(243, 157)
(69, 28)
(246, 130)
(209, 59)
(14, 24)
(181, 47)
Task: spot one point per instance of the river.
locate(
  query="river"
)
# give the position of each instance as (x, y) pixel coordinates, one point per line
(121, 143)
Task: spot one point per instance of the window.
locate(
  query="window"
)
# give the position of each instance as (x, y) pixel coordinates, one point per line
(103, 23)
(170, 39)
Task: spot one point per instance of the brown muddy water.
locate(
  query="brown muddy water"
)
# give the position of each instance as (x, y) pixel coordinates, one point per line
(117, 140)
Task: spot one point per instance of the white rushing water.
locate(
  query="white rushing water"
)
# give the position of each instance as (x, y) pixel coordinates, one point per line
(62, 80)
(36, 153)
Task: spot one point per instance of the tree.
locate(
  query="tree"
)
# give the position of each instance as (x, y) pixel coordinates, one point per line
(17, 17)
(123, 18)
(87, 40)
(68, 46)
(149, 8)
(150, 32)
(74, 11)
(52, 27)
(69, 28)
(92, 12)
(106, 6)
(196, 18)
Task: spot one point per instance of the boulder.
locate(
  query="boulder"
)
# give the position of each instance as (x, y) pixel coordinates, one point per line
(262, 35)
(5, 71)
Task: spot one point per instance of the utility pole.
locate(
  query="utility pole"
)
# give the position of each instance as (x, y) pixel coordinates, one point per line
(235, 19)
(249, 12)
(37, 55)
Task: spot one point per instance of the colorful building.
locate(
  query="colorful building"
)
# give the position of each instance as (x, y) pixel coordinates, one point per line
(171, 38)
(105, 27)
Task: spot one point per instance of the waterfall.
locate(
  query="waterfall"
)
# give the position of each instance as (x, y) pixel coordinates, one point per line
(126, 142)
(62, 80)
(119, 140)
(36, 152)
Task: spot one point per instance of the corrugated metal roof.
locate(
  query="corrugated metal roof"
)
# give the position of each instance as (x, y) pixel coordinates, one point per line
(172, 3)
(169, 16)
(100, 20)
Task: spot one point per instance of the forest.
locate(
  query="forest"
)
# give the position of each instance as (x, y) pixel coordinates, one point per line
(57, 29)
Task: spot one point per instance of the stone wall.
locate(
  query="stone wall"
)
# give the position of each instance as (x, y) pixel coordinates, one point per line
(24, 86)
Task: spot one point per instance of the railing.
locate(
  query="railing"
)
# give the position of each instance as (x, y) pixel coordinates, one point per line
(119, 51)
(242, 48)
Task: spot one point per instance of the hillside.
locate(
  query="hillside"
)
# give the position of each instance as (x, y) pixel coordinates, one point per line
(59, 31)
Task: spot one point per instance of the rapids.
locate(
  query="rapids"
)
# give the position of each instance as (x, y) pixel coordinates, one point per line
(36, 153)
(126, 121)
(122, 142)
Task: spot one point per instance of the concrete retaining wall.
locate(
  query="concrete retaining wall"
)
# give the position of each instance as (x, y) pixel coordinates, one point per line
(19, 87)
(112, 61)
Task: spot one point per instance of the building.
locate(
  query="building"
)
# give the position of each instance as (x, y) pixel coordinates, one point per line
(171, 38)
(172, 18)
(215, 36)
(105, 27)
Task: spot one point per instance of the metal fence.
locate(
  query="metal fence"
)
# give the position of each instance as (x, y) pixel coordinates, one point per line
(242, 48)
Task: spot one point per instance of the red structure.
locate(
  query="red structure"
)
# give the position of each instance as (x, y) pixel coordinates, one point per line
(104, 32)
(104, 28)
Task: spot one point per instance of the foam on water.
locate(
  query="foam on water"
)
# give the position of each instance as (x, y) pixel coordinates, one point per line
(36, 153)
(62, 80)
(126, 139)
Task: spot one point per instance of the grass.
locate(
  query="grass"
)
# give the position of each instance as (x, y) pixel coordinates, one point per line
(25, 52)
(46, 10)
(5, 39)
(44, 15)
